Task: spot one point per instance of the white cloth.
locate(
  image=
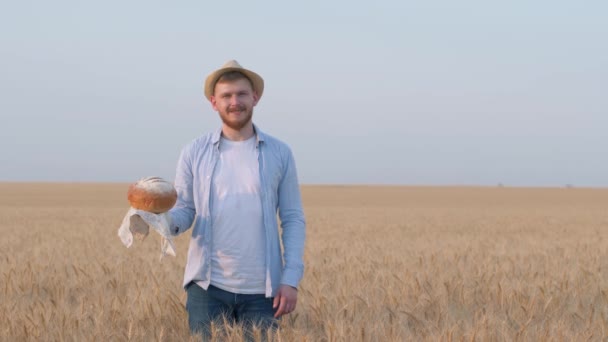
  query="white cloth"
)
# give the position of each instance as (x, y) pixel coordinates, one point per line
(137, 223)
(238, 258)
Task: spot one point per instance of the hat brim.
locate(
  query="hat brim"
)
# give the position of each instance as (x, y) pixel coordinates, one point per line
(256, 80)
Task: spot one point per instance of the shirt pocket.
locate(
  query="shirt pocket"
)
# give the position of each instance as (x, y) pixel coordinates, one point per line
(275, 179)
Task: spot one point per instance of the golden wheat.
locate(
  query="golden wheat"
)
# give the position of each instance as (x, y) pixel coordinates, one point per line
(382, 264)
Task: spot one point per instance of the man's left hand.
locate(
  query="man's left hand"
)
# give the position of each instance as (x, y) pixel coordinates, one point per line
(285, 300)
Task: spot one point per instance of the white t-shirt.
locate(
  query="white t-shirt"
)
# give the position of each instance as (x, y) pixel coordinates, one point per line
(238, 237)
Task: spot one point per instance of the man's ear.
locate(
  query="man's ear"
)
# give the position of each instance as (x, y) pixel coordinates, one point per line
(213, 102)
(256, 98)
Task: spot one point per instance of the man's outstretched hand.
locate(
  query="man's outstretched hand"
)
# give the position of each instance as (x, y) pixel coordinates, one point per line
(285, 300)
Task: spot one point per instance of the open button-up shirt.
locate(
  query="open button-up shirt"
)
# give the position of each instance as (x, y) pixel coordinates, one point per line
(280, 193)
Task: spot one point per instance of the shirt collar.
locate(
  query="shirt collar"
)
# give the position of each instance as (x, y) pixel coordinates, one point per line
(260, 136)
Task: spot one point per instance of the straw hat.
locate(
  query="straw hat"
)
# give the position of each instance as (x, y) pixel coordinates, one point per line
(232, 65)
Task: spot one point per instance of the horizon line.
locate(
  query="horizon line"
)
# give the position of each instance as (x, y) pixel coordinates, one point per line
(445, 185)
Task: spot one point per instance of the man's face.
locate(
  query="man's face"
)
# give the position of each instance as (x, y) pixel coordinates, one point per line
(234, 101)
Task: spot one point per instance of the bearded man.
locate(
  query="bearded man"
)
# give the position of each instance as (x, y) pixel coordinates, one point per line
(231, 183)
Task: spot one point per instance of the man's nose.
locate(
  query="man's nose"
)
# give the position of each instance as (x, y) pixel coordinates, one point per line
(234, 100)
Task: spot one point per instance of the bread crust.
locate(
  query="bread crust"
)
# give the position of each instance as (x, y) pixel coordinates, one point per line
(150, 198)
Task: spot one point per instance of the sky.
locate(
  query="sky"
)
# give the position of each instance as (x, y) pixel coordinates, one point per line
(364, 92)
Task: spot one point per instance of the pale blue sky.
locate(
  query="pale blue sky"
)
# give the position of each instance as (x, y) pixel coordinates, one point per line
(383, 92)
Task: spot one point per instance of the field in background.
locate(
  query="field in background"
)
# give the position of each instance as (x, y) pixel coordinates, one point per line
(382, 263)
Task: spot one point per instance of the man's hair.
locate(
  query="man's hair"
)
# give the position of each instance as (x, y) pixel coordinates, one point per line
(232, 76)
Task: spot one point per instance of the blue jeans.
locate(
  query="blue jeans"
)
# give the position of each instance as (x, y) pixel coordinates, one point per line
(215, 305)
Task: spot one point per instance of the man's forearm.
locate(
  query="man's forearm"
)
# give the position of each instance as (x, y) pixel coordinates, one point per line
(181, 219)
(294, 235)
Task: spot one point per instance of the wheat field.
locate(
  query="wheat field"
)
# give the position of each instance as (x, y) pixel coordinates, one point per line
(382, 264)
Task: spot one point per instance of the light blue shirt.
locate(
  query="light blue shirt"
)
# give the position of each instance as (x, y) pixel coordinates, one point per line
(280, 193)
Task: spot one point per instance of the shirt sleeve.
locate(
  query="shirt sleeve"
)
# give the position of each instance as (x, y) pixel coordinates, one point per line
(293, 223)
(182, 214)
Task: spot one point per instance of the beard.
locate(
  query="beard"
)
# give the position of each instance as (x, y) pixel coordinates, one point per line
(238, 123)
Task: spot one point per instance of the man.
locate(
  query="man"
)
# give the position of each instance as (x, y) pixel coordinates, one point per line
(231, 183)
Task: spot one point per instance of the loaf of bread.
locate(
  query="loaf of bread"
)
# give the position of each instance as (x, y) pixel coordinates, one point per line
(152, 194)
